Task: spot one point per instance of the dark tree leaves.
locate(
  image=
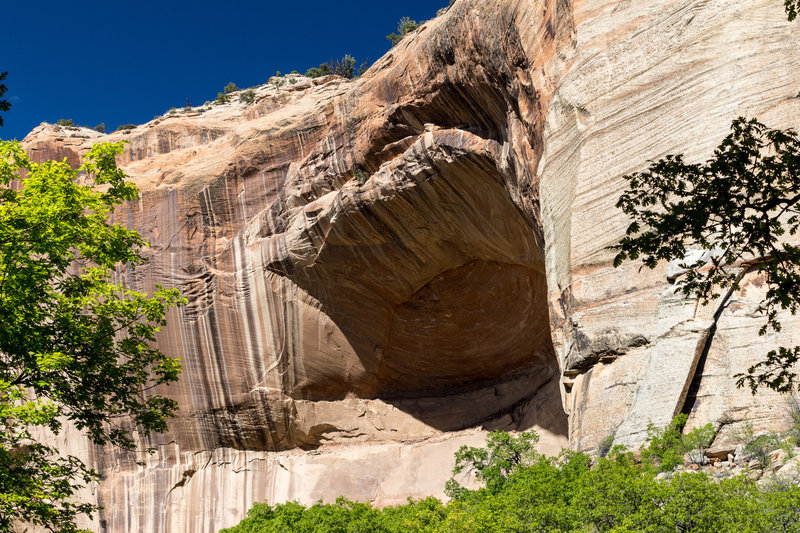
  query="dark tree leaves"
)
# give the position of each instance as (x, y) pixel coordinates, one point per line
(740, 207)
(792, 8)
(4, 104)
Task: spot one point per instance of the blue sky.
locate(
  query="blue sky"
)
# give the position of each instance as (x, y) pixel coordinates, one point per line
(125, 62)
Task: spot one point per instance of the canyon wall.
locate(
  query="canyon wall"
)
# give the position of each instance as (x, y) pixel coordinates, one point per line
(381, 270)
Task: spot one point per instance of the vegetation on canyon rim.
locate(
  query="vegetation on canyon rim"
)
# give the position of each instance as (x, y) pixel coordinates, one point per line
(75, 345)
(524, 491)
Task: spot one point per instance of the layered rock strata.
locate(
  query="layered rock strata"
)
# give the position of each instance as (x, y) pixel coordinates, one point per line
(379, 270)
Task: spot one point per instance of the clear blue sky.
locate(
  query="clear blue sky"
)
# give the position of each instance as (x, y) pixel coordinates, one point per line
(125, 62)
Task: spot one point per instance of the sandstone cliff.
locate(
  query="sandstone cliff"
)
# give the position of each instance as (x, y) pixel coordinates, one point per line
(381, 269)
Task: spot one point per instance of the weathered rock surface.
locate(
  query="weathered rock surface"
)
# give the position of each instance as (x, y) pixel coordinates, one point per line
(376, 268)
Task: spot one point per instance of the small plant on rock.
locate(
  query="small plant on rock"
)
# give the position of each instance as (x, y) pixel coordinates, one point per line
(405, 26)
(360, 176)
(664, 445)
(757, 446)
(697, 441)
(248, 96)
(605, 445)
(222, 98)
(231, 88)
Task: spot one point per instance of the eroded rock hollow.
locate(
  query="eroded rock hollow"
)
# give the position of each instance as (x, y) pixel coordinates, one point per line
(380, 270)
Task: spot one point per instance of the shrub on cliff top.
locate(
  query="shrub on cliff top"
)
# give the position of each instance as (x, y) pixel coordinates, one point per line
(248, 96)
(405, 26)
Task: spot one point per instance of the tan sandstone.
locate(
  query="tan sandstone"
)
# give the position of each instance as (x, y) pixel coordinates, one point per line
(345, 337)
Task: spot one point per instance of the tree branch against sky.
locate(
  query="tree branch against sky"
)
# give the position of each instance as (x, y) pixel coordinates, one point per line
(4, 104)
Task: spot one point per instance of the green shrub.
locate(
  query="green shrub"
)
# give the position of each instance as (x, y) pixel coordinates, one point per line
(344, 67)
(757, 446)
(230, 88)
(793, 434)
(605, 446)
(248, 96)
(405, 26)
(100, 127)
(315, 72)
(527, 492)
(696, 443)
(501, 457)
(125, 127)
(664, 445)
(360, 176)
(66, 122)
(222, 98)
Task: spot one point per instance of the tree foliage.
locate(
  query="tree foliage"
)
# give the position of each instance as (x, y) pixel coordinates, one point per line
(571, 493)
(4, 104)
(792, 8)
(739, 207)
(405, 26)
(344, 67)
(74, 344)
(503, 454)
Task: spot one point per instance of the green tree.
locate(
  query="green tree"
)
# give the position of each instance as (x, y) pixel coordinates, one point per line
(753, 181)
(494, 463)
(404, 26)
(738, 208)
(4, 104)
(344, 67)
(75, 345)
(231, 88)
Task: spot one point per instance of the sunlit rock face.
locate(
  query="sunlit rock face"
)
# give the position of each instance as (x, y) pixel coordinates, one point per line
(380, 270)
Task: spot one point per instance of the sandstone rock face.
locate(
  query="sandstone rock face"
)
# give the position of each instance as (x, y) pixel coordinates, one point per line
(380, 270)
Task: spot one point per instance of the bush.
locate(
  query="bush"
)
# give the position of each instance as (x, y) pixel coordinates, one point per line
(605, 446)
(344, 67)
(360, 176)
(538, 493)
(793, 434)
(66, 122)
(100, 127)
(405, 26)
(230, 88)
(125, 127)
(696, 443)
(315, 72)
(222, 98)
(503, 455)
(757, 446)
(665, 446)
(248, 96)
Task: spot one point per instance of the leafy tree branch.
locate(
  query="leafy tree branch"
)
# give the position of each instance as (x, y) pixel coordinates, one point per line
(740, 207)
